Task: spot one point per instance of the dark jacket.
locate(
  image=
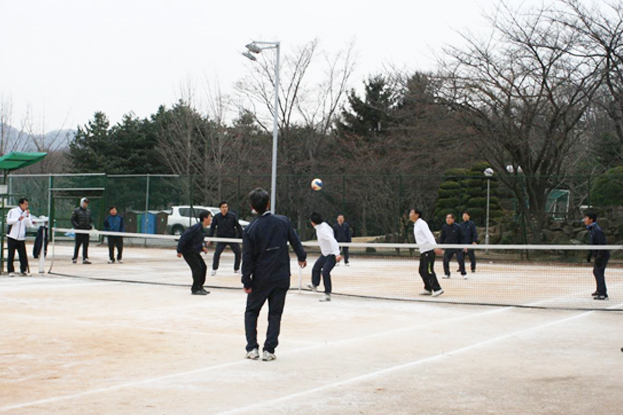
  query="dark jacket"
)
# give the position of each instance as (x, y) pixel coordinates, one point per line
(468, 232)
(41, 240)
(342, 232)
(265, 255)
(114, 224)
(81, 218)
(450, 234)
(226, 226)
(191, 240)
(597, 237)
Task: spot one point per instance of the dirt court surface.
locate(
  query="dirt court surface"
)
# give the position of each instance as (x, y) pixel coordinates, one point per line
(80, 346)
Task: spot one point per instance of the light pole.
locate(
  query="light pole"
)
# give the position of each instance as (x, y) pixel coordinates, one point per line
(488, 172)
(258, 47)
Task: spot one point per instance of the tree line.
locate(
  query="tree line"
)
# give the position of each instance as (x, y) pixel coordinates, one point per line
(539, 99)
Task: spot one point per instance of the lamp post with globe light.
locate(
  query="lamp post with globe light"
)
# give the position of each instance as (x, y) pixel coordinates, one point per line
(258, 47)
(488, 172)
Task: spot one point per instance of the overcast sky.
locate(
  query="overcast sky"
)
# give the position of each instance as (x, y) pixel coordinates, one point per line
(66, 59)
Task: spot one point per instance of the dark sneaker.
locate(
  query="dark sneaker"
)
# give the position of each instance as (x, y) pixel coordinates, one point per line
(595, 294)
(200, 292)
(600, 297)
(205, 291)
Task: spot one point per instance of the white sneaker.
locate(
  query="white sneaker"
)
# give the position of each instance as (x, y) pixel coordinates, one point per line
(437, 293)
(465, 276)
(312, 287)
(253, 354)
(426, 292)
(86, 261)
(213, 273)
(24, 274)
(447, 276)
(11, 274)
(347, 264)
(268, 356)
(236, 271)
(120, 261)
(111, 261)
(326, 298)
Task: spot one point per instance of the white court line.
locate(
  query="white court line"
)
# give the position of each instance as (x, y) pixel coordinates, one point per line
(20, 287)
(394, 368)
(244, 361)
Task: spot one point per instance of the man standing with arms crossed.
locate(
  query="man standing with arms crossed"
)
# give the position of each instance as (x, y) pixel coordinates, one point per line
(451, 234)
(19, 219)
(226, 226)
(470, 237)
(423, 236)
(81, 219)
(343, 233)
(266, 271)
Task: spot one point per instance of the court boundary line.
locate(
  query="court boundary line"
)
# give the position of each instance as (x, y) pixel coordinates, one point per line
(398, 367)
(302, 349)
(245, 361)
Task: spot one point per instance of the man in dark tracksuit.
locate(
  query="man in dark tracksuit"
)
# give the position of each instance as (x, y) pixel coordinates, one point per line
(597, 237)
(226, 226)
(190, 246)
(451, 234)
(114, 223)
(81, 219)
(343, 233)
(266, 271)
(470, 237)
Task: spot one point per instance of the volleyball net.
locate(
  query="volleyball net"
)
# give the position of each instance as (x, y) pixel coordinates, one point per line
(534, 276)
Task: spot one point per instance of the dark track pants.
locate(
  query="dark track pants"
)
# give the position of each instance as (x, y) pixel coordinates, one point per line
(323, 264)
(82, 239)
(275, 293)
(220, 246)
(599, 270)
(199, 269)
(115, 241)
(345, 254)
(472, 259)
(447, 257)
(20, 246)
(427, 271)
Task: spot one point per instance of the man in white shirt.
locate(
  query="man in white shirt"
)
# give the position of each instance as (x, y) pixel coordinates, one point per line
(423, 236)
(330, 255)
(19, 219)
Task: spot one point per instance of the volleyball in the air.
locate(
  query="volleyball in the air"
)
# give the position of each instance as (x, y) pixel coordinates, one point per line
(316, 184)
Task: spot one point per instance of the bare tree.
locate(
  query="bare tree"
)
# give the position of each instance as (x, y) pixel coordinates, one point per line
(307, 110)
(524, 96)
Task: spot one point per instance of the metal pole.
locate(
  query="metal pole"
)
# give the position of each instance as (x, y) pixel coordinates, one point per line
(487, 224)
(273, 184)
(146, 209)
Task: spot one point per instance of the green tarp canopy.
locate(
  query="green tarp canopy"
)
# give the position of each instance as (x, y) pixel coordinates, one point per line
(17, 160)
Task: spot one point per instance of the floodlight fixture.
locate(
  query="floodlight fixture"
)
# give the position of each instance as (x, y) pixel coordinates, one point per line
(249, 55)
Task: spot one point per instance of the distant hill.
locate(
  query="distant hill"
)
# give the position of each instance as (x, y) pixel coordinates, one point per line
(17, 140)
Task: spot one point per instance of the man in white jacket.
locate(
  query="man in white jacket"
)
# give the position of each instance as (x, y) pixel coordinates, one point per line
(423, 236)
(330, 255)
(19, 219)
